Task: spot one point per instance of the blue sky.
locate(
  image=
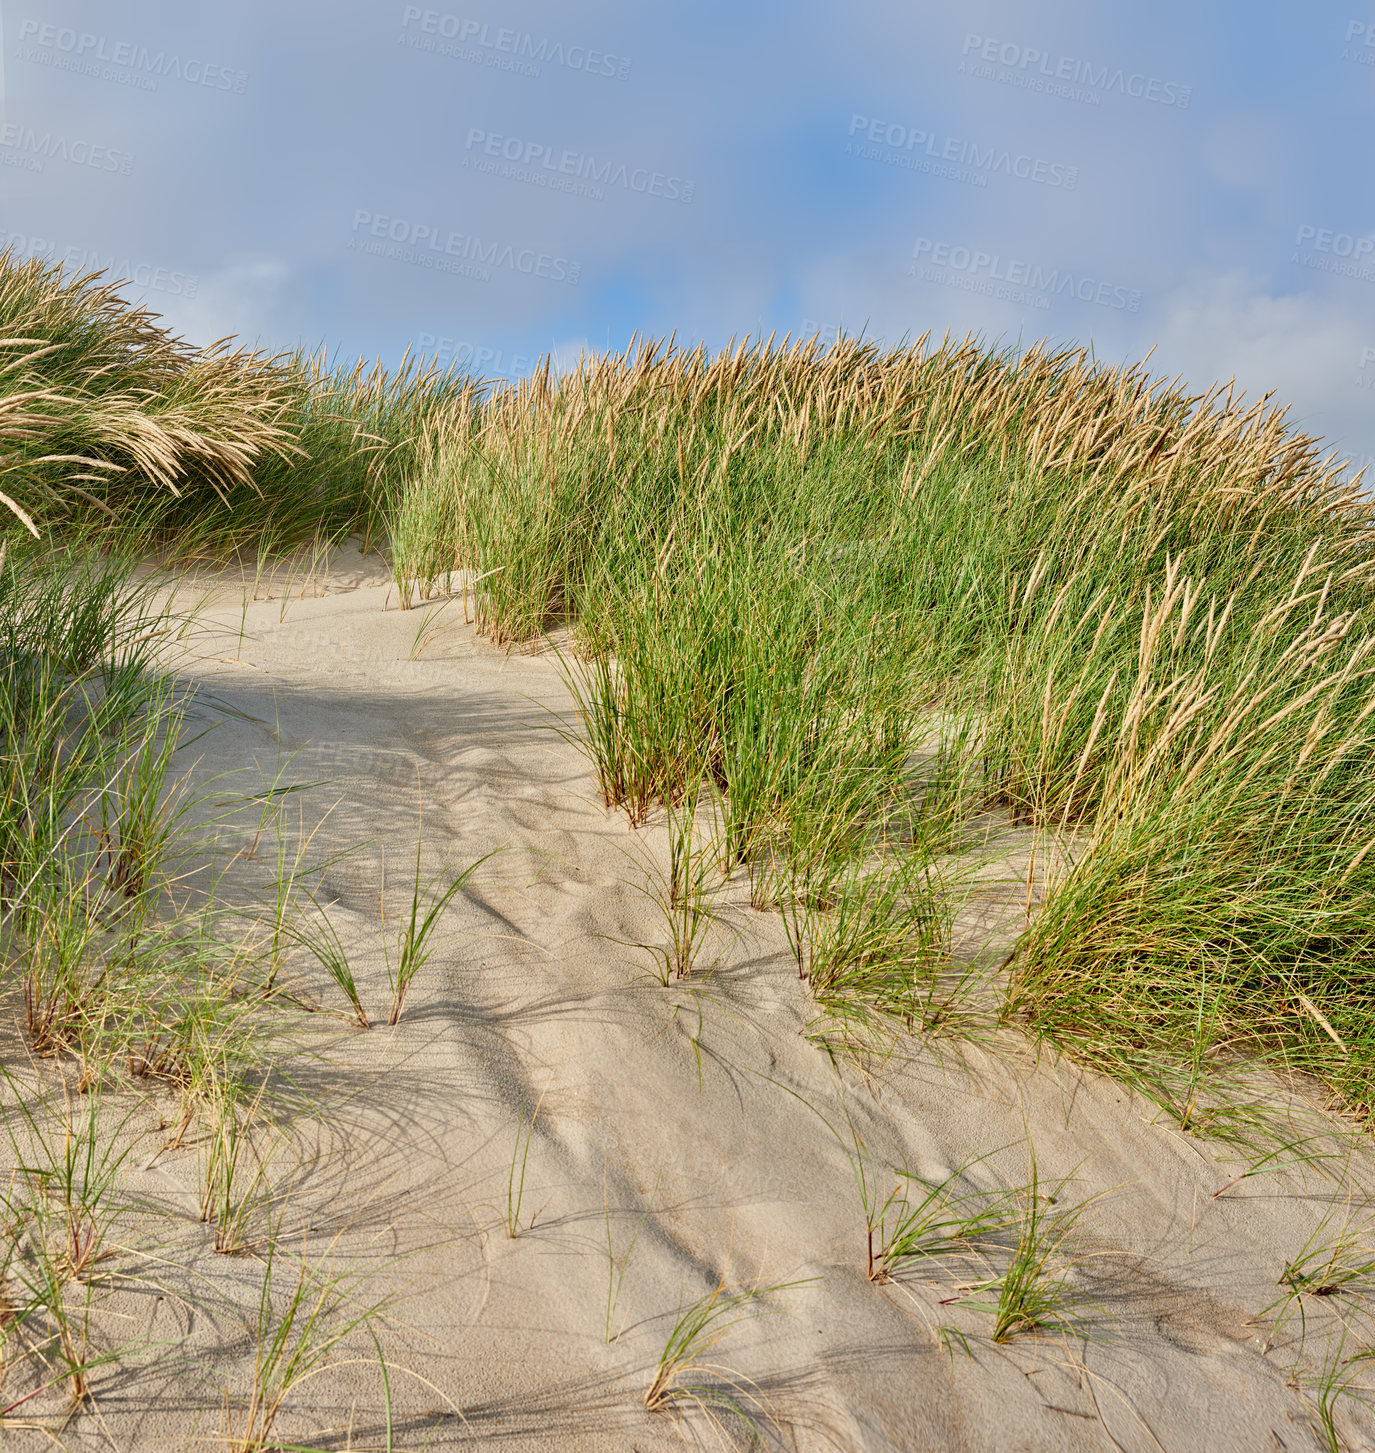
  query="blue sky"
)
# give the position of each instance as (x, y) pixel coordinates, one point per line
(493, 182)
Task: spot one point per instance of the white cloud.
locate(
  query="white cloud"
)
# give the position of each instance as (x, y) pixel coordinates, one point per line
(1306, 347)
(245, 298)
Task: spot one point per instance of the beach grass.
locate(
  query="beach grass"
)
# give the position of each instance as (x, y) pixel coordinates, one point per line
(865, 602)
(872, 597)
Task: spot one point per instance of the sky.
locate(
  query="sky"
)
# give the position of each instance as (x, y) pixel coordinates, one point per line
(489, 183)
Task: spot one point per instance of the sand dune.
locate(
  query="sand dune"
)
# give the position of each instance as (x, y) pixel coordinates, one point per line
(686, 1126)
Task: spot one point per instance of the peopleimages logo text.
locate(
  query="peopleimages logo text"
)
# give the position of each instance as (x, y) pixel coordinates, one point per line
(23, 146)
(1366, 379)
(460, 353)
(475, 40)
(459, 252)
(923, 145)
(116, 268)
(1360, 42)
(988, 272)
(1347, 254)
(1032, 61)
(85, 53)
(534, 157)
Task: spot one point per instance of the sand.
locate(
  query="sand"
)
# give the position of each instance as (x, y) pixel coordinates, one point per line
(694, 1114)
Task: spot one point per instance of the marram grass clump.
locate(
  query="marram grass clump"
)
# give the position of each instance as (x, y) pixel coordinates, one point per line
(875, 597)
(111, 424)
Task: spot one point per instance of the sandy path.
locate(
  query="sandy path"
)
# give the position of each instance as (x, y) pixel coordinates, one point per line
(671, 1107)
